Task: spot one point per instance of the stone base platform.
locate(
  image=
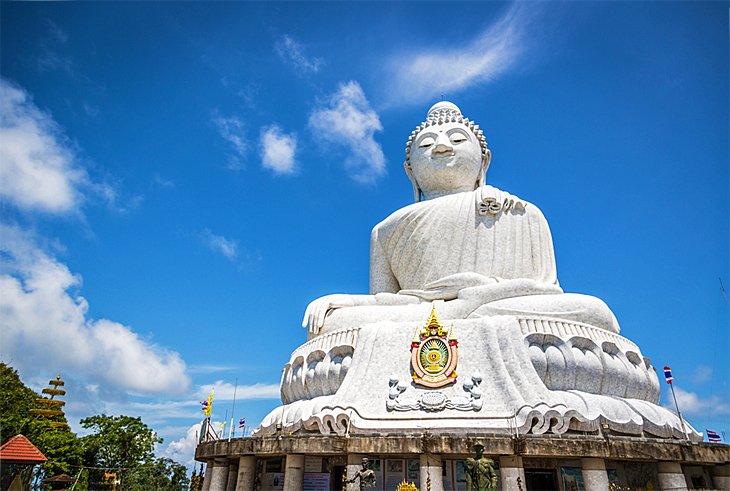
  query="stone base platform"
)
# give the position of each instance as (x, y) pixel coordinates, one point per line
(525, 463)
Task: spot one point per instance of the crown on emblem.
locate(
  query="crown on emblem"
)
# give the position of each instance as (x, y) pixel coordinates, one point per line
(433, 327)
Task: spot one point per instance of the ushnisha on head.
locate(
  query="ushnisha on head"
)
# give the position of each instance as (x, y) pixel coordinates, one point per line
(446, 154)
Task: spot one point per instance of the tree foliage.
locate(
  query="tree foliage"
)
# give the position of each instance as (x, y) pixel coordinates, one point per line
(59, 445)
(125, 446)
(121, 445)
(118, 441)
(16, 401)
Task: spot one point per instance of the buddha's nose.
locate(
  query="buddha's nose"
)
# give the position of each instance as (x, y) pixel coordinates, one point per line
(442, 146)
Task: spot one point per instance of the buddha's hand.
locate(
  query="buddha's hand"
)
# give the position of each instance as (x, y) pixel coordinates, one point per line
(503, 288)
(448, 287)
(317, 309)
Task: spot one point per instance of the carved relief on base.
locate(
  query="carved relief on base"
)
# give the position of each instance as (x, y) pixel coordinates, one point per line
(434, 400)
(524, 375)
(573, 356)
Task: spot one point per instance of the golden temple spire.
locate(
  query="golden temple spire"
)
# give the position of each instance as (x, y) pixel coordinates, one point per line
(434, 322)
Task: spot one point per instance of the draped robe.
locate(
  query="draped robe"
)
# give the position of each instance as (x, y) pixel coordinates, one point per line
(485, 231)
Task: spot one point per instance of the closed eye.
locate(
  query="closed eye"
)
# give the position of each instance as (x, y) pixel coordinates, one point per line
(426, 142)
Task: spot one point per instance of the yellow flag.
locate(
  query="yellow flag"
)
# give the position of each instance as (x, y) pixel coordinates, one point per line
(209, 408)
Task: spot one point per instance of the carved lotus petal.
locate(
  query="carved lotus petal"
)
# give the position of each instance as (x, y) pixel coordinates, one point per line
(433, 401)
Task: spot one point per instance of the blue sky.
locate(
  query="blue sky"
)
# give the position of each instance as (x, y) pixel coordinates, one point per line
(179, 180)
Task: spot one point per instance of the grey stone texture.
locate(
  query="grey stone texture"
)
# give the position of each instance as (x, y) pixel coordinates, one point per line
(246, 473)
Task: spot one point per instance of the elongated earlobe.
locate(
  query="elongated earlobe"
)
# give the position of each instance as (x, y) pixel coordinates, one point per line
(416, 189)
(482, 179)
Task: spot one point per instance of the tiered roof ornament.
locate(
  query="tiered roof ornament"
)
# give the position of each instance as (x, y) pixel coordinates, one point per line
(50, 407)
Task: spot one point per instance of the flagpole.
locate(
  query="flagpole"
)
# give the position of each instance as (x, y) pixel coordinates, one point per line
(678, 413)
(223, 428)
(233, 411)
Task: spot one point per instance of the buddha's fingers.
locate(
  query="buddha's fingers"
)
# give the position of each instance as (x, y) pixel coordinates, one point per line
(306, 320)
(313, 327)
(314, 317)
(321, 313)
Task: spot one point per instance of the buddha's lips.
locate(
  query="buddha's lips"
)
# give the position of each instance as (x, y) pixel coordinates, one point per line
(443, 158)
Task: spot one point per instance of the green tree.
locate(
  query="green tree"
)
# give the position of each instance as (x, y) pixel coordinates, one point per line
(163, 475)
(59, 445)
(120, 444)
(16, 401)
(125, 446)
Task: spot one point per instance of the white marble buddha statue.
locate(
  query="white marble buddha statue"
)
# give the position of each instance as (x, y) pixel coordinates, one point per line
(530, 357)
(482, 250)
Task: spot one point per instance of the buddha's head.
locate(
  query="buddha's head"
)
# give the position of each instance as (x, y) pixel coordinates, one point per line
(446, 154)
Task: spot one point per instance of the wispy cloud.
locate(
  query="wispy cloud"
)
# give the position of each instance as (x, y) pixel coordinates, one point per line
(232, 129)
(51, 58)
(217, 243)
(692, 404)
(278, 150)
(347, 119)
(292, 52)
(40, 170)
(57, 33)
(210, 368)
(160, 181)
(224, 391)
(42, 315)
(430, 71)
(702, 374)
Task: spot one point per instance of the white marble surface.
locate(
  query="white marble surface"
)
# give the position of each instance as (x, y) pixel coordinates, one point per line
(513, 390)
(531, 357)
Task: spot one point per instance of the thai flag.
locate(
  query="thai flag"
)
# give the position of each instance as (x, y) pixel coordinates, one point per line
(242, 422)
(712, 437)
(668, 375)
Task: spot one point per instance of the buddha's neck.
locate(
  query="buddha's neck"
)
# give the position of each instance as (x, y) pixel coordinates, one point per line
(437, 193)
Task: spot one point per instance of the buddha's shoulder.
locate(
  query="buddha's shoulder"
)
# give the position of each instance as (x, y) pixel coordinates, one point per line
(422, 208)
(481, 199)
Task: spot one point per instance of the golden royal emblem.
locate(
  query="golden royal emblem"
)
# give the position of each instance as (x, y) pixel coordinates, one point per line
(406, 486)
(434, 353)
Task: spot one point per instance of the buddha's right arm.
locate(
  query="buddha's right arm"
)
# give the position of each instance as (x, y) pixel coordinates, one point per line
(382, 278)
(317, 310)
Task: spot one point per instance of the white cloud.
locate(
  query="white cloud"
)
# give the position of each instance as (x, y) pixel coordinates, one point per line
(219, 244)
(58, 34)
(183, 450)
(50, 60)
(210, 368)
(432, 71)
(44, 325)
(224, 391)
(691, 404)
(292, 52)
(232, 129)
(702, 374)
(278, 150)
(347, 119)
(40, 170)
(160, 181)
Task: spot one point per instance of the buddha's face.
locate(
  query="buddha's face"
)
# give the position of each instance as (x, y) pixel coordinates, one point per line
(446, 159)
